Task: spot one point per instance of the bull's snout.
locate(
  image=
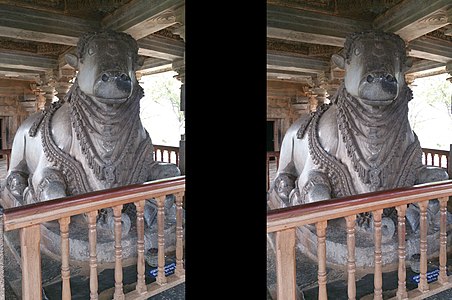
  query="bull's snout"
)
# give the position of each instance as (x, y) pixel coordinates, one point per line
(113, 85)
(384, 77)
(114, 76)
(378, 87)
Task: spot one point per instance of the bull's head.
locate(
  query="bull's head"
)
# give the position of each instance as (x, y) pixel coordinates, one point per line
(106, 63)
(375, 63)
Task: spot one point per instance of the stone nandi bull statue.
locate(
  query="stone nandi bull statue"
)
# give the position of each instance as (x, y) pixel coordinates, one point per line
(362, 141)
(92, 140)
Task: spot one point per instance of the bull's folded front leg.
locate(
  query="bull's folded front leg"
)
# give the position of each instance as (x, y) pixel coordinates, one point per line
(161, 170)
(317, 187)
(52, 185)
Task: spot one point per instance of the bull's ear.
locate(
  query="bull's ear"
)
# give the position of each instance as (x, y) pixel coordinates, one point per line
(72, 60)
(140, 61)
(339, 60)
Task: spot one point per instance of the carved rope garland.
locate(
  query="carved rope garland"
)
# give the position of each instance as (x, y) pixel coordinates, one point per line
(338, 173)
(375, 157)
(84, 117)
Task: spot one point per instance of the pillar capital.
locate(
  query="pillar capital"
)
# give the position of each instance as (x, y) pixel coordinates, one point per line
(449, 70)
(179, 67)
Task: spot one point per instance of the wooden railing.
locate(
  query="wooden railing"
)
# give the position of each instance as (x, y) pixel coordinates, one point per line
(271, 156)
(437, 158)
(166, 154)
(284, 222)
(430, 157)
(7, 153)
(28, 219)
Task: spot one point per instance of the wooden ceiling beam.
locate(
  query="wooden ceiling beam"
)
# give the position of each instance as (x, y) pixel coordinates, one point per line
(26, 61)
(293, 63)
(139, 18)
(431, 49)
(161, 47)
(309, 27)
(40, 26)
(412, 19)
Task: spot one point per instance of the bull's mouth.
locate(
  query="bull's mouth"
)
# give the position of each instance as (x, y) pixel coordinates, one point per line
(378, 90)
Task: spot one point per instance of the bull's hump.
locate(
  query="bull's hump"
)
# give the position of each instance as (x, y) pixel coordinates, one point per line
(61, 128)
(328, 131)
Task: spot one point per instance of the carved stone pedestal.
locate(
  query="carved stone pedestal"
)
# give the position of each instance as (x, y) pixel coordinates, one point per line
(79, 245)
(336, 246)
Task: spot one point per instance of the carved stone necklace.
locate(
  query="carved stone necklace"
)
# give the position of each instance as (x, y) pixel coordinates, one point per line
(374, 137)
(106, 135)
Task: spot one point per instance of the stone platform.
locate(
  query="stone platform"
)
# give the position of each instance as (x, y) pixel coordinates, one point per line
(51, 276)
(306, 278)
(336, 245)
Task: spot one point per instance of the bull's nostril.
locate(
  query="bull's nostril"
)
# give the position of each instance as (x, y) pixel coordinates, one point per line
(389, 78)
(370, 78)
(124, 77)
(105, 77)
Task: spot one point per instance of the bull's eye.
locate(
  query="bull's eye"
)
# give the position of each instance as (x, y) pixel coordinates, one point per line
(91, 51)
(357, 51)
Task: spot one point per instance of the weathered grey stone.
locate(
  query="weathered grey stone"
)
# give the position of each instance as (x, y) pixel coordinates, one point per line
(362, 142)
(91, 140)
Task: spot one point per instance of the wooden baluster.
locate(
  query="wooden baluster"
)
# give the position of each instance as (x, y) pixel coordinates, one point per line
(141, 284)
(401, 232)
(155, 153)
(177, 157)
(119, 293)
(440, 157)
(180, 270)
(2, 257)
(423, 284)
(425, 158)
(449, 162)
(65, 271)
(351, 266)
(30, 239)
(442, 278)
(321, 258)
(161, 154)
(285, 264)
(161, 279)
(268, 172)
(92, 239)
(378, 279)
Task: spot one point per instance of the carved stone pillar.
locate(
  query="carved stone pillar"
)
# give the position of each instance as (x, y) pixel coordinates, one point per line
(48, 87)
(321, 96)
(179, 67)
(65, 80)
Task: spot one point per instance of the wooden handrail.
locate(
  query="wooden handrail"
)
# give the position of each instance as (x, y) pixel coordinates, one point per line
(169, 150)
(298, 215)
(31, 214)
